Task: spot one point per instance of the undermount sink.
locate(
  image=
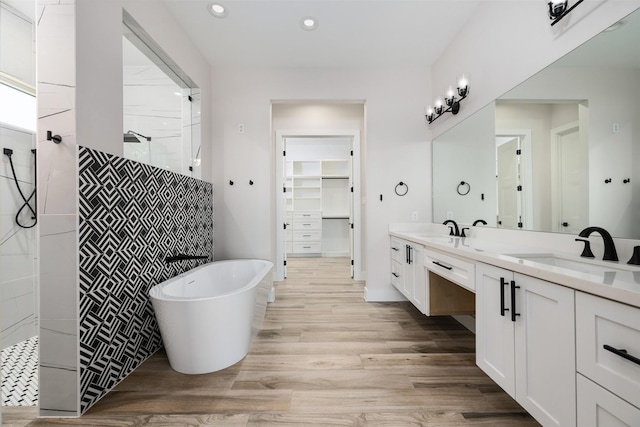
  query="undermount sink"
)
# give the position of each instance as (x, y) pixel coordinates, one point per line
(594, 267)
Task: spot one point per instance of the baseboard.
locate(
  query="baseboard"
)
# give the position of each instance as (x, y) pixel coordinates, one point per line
(468, 322)
(383, 295)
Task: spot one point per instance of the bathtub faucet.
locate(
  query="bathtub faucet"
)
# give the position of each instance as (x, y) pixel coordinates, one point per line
(184, 257)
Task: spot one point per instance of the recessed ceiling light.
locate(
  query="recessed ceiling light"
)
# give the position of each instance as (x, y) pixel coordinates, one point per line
(217, 10)
(309, 23)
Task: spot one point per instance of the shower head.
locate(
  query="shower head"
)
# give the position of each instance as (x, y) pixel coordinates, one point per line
(132, 136)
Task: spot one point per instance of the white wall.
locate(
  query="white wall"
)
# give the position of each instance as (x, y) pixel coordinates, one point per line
(396, 150)
(506, 42)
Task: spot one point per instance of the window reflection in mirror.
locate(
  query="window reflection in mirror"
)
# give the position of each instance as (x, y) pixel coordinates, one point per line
(579, 117)
(161, 106)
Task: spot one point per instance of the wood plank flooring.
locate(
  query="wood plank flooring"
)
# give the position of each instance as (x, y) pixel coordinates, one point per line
(325, 357)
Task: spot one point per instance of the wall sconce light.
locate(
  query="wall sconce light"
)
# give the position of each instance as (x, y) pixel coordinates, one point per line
(450, 104)
(558, 9)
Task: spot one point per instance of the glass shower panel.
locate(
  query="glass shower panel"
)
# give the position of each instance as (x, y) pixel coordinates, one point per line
(195, 131)
(161, 104)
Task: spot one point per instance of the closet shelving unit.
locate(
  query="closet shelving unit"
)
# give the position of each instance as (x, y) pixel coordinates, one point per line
(336, 207)
(318, 207)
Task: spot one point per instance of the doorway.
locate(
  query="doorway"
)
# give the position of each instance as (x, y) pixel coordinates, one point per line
(569, 178)
(514, 182)
(316, 216)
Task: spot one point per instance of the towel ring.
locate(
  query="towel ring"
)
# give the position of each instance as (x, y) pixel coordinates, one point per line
(463, 185)
(402, 184)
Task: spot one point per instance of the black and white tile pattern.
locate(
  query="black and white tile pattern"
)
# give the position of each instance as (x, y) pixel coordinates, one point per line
(20, 373)
(131, 217)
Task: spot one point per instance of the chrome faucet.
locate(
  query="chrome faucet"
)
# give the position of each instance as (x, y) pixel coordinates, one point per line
(610, 253)
(455, 226)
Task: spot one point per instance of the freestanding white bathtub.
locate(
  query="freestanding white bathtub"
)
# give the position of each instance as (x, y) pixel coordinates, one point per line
(209, 316)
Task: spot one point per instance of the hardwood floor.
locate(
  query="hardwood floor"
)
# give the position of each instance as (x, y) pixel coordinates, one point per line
(325, 357)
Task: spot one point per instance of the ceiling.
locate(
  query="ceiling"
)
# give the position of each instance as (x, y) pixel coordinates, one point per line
(350, 33)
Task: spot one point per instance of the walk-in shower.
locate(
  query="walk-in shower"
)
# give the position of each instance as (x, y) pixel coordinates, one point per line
(18, 271)
(18, 215)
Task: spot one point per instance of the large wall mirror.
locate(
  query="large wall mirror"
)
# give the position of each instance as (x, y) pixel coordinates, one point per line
(557, 153)
(161, 106)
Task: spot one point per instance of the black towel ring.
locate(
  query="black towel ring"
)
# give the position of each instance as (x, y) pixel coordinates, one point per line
(402, 184)
(463, 185)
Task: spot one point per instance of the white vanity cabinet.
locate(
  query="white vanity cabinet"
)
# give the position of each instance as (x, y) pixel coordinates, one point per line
(608, 362)
(407, 271)
(525, 341)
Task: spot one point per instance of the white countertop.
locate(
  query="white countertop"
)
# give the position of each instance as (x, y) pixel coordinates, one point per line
(621, 283)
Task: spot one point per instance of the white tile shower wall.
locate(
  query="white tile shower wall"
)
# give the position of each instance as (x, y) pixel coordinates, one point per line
(57, 207)
(18, 316)
(131, 217)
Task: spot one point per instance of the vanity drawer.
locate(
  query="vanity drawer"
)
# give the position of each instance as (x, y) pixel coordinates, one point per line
(397, 250)
(306, 236)
(306, 247)
(598, 407)
(455, 269)
(601, 322)
(307, 215)
(310, 224)
(396, 275)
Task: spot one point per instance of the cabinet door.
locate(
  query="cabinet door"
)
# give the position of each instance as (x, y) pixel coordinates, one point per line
(494, 328)
(407, 287)
(545, 351)
(419, 282)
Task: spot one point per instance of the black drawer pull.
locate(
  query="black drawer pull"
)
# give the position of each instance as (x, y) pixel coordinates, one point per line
(442, 265)
(395, 249)
(395, 275)
(513, 301)
(503, 283)
(622, 353)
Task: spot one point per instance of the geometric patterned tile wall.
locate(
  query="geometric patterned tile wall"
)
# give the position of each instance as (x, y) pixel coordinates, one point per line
(132, 216)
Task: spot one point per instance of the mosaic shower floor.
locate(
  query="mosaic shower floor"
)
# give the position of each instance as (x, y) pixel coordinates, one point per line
(20, 374)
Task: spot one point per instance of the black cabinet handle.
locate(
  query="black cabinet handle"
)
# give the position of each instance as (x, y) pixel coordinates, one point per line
(622, 353)
(503, 283)
(406, 254)
(442, 265)
(395, 249)
(410, 254)
(513, 301)
(395, 274)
